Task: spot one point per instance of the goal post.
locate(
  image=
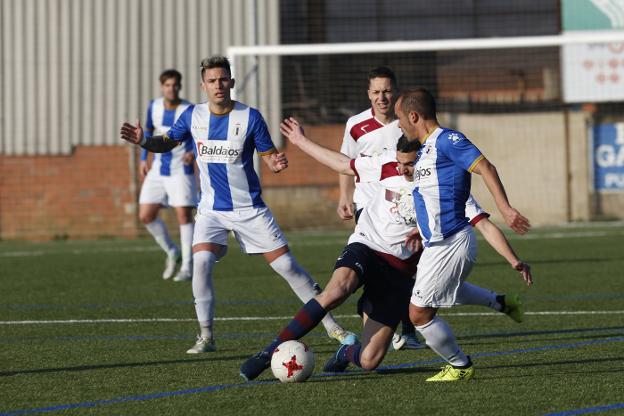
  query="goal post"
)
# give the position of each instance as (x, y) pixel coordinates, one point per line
(506, 92)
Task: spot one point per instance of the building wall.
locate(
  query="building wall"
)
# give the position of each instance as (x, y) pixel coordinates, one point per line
(546, 176)
(90, 193)
(72, 70)
(93, 191)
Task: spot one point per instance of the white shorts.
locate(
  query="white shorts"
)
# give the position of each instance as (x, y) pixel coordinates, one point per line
(442, 268)
(174, 191)
(255, 229)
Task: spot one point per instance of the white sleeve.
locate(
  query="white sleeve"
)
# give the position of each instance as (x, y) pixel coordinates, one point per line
(349, 146)
(370, 168)
(474, 212)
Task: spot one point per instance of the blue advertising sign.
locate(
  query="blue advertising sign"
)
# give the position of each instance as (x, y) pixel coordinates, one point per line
(608, 154)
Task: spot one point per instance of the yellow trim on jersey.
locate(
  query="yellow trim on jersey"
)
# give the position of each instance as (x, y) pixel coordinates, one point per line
(475, 163)
(166, 138)
(267, 152)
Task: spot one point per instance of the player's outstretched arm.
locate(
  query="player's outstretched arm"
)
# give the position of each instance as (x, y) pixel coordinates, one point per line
(495, 237)
(336, 161)
(156, 144)
(513, 218)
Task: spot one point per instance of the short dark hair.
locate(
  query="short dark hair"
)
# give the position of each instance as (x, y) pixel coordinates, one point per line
(420, 101)
(215, 62)
(170, 73)
(404, 145)
(382, 72)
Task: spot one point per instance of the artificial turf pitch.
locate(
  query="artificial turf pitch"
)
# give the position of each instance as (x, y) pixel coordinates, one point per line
(90, 327)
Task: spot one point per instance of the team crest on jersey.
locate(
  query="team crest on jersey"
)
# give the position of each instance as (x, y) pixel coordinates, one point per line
(454, 137)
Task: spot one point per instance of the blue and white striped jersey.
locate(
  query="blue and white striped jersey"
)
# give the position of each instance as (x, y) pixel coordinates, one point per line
(442, 175)
(158, 121)
(224, 148)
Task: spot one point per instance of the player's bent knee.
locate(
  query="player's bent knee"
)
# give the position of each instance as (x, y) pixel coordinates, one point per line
(147, 217)
(332, 298)
(370, 361)
(421, 315)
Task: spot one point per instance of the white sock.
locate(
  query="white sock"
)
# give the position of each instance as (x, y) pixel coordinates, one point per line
(158, 230)
(186, 243)
(301, 283)
(440, 338)
(203, 292)
(469, 294)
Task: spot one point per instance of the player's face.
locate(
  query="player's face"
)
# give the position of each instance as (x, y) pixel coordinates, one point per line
(381, 95)
(170, 89)
(217, 84)
(406, 164)
(405, 122)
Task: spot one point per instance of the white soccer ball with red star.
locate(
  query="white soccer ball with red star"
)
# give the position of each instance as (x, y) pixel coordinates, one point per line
(292, 362)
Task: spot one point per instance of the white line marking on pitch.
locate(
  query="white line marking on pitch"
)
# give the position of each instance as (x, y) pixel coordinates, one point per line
(273, 318)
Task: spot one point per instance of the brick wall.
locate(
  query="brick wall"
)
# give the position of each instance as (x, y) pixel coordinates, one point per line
(84, 195)
(91, 193)
(306, 194)
(302, 169)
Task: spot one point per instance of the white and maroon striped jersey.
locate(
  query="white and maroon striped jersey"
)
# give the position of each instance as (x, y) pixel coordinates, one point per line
(366, 136)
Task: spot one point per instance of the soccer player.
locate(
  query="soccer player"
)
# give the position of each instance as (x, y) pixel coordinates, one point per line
(226, 135)
(170, 180)
(379, 257)
(442, 174)
(370, 133)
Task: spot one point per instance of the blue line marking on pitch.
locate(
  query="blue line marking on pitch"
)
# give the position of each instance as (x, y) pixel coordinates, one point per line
(207, 389)
(588, 410)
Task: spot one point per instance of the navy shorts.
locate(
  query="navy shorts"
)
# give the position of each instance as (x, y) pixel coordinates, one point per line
(386, 290)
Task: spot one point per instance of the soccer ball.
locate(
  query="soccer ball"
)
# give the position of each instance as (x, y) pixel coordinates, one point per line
(292, 362)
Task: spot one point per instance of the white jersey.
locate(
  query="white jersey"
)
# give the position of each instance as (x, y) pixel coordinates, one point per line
(225, 145)
(159, 120)
(390, 215)
(366, 136)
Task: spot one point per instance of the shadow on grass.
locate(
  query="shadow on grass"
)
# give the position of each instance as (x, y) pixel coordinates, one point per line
(612, 361)
(121, 365)
(618, 330)
(554, 261)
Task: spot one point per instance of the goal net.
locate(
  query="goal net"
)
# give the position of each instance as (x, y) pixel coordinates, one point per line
(507, 94)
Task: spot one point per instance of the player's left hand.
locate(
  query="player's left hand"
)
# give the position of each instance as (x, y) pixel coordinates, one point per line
(188, 158)
(516, 221)
(525, 271)
(279, 162)
(413, 240)
(291, 129)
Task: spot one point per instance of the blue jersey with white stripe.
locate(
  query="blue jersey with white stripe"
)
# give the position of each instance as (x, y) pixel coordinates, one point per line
(224, 149)
(442, 174)
(159, 120)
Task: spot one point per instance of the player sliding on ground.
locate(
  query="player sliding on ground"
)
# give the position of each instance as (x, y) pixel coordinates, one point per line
(381, 256)
(226, 134)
